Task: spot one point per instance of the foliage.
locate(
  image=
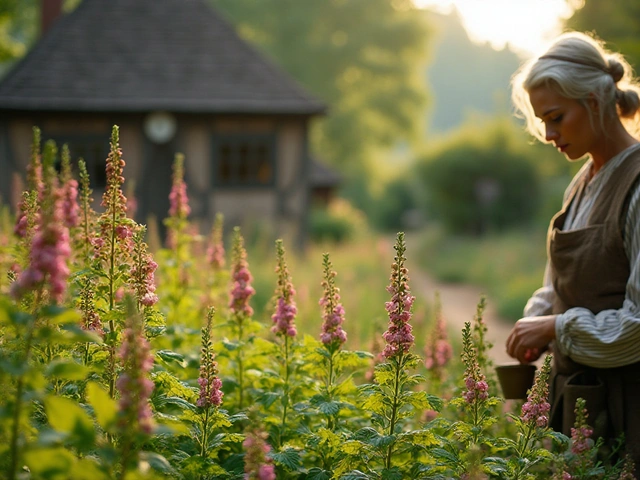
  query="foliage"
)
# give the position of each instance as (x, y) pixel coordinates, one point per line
(481, 181)
(337, 222)
(362, 57)
(615, 22)
(107, 377)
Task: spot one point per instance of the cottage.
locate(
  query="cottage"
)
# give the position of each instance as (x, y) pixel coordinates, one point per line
(175, 77)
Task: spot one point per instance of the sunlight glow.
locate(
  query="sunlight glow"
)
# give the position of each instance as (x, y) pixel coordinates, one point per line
(526, 25)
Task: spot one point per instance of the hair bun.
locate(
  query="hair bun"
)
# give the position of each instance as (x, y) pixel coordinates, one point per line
(616, 70)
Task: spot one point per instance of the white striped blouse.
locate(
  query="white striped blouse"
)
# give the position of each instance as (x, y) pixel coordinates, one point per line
(610, 338)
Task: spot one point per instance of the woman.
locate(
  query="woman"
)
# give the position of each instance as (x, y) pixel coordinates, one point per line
(583, 100)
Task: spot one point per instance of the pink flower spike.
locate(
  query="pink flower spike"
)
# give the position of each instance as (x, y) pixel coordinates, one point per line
(286, 310)
(210, 385)
(535, 410)
(241, 290)
(398, 335)
(257, 465)
(332, 336)
(133, 384)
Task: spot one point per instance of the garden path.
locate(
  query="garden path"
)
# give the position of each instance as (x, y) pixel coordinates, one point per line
(459, 302)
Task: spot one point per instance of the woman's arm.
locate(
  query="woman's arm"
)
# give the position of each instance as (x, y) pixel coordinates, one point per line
(541, 302)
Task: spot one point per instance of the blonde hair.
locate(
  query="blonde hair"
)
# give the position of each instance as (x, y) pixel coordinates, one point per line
(578, 66)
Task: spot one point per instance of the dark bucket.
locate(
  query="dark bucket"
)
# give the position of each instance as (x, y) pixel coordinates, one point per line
(516, 379)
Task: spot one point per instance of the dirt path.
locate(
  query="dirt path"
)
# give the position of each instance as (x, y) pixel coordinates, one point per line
(459, 302)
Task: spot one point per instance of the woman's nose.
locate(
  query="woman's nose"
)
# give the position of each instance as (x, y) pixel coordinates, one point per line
(550, 133)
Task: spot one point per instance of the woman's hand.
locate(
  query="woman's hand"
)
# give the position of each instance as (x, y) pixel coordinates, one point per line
(530, 337)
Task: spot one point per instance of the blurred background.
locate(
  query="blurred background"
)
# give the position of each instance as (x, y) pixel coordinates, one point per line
(418, 133)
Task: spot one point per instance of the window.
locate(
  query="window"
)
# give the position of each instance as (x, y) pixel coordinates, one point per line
(242, 160)
(92, 148)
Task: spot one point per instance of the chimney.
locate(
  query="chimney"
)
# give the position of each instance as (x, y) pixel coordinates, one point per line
(49, 12)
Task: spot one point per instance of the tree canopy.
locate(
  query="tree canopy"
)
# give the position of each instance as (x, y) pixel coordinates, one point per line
(618, 23)
(364, 58)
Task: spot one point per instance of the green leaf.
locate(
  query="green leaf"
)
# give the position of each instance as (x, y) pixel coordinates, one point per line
(73, 332)
(104, 407)
(442, 454)
(169, 356)
(87, 469)
(61, 316)
(355, 475)
(391, 474)
(67, 370)
(163, 400)
(65, 415)
(288, 458)
(329, 408)
(157, 462)
(316, 473)
(50, 462)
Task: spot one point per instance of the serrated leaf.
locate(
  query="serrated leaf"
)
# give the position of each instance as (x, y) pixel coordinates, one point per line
(170, 356)
(352, 447)
(163, 400)
(376, 403)
(288, 458)
(157, 462)
(329, 408)
(391, 474)
(355, 475)
(443, 454)
(318, 474)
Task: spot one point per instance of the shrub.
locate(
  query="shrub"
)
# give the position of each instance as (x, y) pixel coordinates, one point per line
(481, 182)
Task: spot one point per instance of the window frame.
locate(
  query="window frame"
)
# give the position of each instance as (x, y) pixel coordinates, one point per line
(95, 164)
(237, 141)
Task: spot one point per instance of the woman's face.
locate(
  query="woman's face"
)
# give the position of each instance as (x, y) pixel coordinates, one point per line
(566, 121)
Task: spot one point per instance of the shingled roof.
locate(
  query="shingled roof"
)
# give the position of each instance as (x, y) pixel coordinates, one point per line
(145, 55)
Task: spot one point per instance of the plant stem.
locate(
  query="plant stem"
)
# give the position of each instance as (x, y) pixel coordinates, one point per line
(112, 379)
(205, 433)
(394, 408)
(240, 365)
(18, 408)
(285, 397)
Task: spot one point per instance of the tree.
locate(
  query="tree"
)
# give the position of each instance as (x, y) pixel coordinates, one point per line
(364, 58)
(618, 23)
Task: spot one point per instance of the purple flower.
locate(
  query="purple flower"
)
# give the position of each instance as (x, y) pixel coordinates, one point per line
(474, 379)
(70, 203)
(179, 203)
(241, 290)
(215, 251)
(49, 252)
(133, 384)
(257, 465)
(90, 319)
(332, 336)
(113, 200)
(438, 349)
(115, 238)
(210, 385)
(398, 335)
(535, 410)
(286, 310)
(142, 272)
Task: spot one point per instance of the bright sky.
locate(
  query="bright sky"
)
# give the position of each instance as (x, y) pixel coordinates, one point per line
(527, 25)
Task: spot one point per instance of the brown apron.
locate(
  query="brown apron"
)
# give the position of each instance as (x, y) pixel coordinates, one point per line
(590, 269)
